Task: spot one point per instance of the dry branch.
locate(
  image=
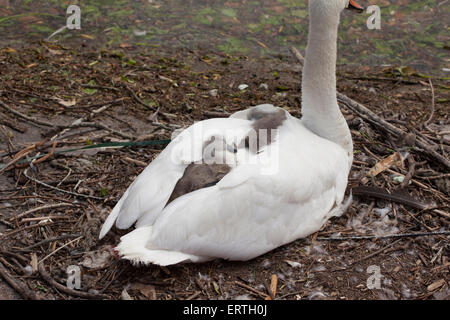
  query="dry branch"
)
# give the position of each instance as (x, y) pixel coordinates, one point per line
(16, 285)
(47, 277)
(368, 115)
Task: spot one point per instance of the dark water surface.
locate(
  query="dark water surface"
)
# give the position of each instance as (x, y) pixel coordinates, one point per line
(413, 33)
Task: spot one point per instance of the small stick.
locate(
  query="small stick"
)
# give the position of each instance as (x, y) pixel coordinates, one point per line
(135, 97)
(16, 285)
(375, 253)
(21, 115)
(4, 236)
(411, 170)
(50, 206)
(401, 235)
(432, 107)
(12, 125)
(40, 243)
(193, 296)
(58, 189)
(63, 246)
(47, 156)
(46, 276)
(43, 218)
(77, 125)
(259, 293)
(274, 284)
(136, 162)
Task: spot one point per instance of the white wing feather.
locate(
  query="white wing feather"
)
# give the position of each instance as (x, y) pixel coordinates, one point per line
(146, 197)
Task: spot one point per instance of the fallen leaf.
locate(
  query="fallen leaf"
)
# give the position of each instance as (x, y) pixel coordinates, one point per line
(293, 264)
(55, 52)
(9, 50)
(88, 36)
(395, 159)
(125, 295)
(64, 103)
(99, 259)
(146, 289)
(436, 285)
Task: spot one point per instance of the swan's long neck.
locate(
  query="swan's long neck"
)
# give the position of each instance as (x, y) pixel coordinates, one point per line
(321, 113)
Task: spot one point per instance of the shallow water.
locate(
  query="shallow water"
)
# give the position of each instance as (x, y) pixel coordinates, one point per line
(413, 33)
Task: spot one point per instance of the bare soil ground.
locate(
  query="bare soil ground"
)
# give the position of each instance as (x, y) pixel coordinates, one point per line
(126, 95)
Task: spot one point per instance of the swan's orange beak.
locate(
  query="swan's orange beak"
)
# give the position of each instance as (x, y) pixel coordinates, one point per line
(352, 5)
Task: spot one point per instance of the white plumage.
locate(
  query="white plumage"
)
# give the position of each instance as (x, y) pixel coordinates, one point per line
(285, 191)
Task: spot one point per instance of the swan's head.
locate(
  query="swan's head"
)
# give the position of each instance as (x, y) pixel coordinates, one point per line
(334, 6)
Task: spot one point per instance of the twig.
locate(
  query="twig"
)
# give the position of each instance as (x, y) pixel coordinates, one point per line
(259, 293)
(40, 243)
(389, 236)
(411, 170)
(77, 125)
(12, 125)
(193, 296)
(94, 86)
(46, 276)
(21, 115)
(22, 153)
(135, 97)
(375, 253)
(136, 162)
(432, 107)
(47, 156)
(58, 189)
(24, 220)
(269, 291)
(99, 126)
(16, 285)
(380, 193)
(56, 250)
(46, 207)
(4, 236)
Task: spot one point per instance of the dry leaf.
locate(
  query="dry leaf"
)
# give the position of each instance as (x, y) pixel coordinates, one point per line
(99, 259)
(55, 52)
(34, 262)
(436, 285)
(9, 50)
(125, 295)
(395, 159)
(146, 289)
(88, 36)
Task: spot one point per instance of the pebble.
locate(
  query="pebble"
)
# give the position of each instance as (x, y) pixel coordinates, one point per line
(243, 86)
(264, 86)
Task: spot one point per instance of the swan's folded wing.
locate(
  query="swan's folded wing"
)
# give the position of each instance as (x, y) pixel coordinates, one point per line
(239, 221)
(146, 197)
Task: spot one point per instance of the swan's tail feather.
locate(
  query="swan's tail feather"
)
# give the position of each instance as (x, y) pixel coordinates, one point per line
(343, 207)
(111, 218)
(132, 247)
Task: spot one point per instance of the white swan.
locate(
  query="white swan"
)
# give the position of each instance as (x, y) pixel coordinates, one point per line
(270, 192)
